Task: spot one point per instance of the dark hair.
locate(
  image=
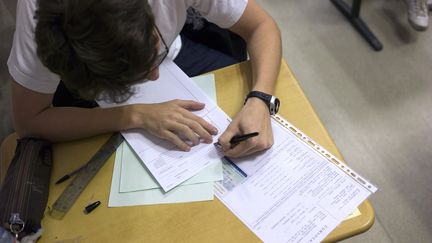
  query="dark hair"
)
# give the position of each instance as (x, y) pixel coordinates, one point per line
(97, 46)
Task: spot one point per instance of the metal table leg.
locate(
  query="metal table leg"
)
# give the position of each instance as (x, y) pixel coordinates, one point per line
(353, 15)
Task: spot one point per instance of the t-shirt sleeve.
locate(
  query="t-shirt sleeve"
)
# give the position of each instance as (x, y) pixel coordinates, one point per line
(224, 13)
(23, 63)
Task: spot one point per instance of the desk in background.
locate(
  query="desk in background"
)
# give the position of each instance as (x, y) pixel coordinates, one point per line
(186, 222)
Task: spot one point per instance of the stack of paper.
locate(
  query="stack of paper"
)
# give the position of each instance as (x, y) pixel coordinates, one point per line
(133, 184)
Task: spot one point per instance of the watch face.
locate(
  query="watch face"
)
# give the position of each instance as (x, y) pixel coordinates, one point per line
(274, 105)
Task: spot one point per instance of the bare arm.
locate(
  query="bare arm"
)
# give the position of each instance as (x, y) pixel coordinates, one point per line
(263, 39)
(262, 35)
(34, 116)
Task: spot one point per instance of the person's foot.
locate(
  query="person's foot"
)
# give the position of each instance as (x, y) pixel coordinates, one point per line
(418, 15)
(430, 5)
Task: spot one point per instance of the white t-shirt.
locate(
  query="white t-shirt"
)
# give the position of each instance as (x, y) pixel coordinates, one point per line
(170, 16)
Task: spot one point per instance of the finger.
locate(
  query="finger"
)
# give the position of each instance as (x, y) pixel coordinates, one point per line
(202, 123)
(239, 150)
(190, 105)
(176, 141)
(182, 129)
(225, 138)
(247, 147)
(198, 130)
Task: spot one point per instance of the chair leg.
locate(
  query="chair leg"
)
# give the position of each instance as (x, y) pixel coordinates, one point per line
(353, 15)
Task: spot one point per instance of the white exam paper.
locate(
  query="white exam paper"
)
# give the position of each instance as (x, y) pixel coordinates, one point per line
(135, 176)
(291, 192)
(168, 165)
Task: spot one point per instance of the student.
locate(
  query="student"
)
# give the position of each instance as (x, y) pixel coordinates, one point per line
(109, 45)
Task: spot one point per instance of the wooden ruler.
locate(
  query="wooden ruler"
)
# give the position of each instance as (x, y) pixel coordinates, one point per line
(83, 178)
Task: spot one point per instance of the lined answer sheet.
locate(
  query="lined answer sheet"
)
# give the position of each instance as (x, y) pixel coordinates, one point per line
(290, 193)
(167, 164)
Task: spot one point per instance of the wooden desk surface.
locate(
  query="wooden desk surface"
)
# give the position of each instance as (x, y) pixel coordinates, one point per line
(186, 222)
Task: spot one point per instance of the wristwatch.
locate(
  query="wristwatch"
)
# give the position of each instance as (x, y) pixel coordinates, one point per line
(271, 101)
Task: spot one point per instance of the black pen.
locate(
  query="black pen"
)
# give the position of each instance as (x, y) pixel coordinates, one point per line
(70, 174)
(239, 138)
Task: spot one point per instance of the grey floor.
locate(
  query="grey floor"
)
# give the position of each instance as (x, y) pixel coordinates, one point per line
(376, 105)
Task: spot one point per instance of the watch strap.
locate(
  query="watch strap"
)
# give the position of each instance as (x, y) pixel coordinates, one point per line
(271, 101)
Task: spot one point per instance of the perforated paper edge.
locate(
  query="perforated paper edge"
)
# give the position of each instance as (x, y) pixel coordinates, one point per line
(325, 154)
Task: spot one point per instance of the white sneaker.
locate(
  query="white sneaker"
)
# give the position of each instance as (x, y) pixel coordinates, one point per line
(418, 15)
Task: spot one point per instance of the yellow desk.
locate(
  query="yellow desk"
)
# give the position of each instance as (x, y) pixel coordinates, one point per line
(187, 222)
